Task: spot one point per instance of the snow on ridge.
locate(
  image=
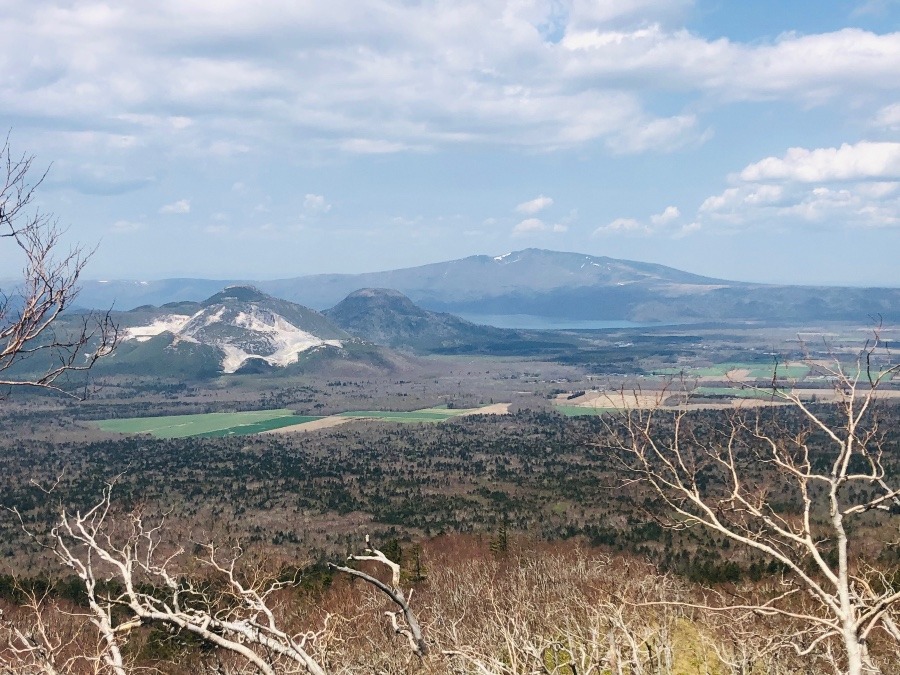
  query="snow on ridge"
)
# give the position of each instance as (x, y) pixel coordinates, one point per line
(171, 322)
(501, 257)
(188, 328)
(285, 340)
(234, 357)
(215, 318)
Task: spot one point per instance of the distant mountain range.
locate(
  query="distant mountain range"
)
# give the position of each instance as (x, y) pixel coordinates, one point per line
(543, 283)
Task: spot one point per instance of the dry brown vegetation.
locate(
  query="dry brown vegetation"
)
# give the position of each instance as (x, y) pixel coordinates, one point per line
(557, 609)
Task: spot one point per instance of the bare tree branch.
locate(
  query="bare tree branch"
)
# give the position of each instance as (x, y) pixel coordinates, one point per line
(724, 484)
(35, 347)
(413, 632)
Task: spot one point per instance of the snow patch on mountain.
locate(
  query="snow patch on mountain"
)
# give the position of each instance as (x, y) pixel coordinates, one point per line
(284, 340)
(266, 335)
(172, 323)
(213, 318)
(252, 333)
(234, 357)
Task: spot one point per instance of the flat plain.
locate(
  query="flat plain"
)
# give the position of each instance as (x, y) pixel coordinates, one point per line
(209, 424)
(214, 425)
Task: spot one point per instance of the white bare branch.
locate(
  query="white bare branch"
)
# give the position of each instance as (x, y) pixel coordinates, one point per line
(412, 631)
(35, 348)
(812, 543)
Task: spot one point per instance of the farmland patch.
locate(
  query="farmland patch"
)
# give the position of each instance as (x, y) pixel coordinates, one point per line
(182, 426)
(214, 425)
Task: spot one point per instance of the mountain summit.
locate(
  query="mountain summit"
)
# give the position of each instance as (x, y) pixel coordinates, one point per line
(467, 283)
(387, 317)
(243, 324)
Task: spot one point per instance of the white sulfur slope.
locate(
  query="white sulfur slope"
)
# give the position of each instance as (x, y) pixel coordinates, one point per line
(172, 323)
(277, 340)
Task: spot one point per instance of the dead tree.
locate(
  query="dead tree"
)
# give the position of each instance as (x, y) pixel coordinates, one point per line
(827, 476)
(30, 311)
(410, 629)
(133, 578)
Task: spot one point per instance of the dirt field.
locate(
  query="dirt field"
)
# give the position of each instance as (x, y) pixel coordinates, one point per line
(327, 422)
(615, 399)
(324, 423)
(648, 399)
(495, 409)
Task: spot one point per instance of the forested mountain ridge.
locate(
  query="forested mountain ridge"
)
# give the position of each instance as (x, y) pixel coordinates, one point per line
(387, 317)
(544, 283)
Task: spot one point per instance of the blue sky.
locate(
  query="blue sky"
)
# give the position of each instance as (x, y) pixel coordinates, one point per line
(744, 140)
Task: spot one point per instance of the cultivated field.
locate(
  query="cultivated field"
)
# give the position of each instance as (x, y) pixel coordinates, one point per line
(700, 398)
(211, 424)
(280, 420)
(739, 372)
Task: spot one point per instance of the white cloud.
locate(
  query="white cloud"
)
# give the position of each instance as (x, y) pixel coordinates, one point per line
(669, 214)
(853, 185)
(879, 190)
(530, 225)
(747, 196)
(622, 225)
(888, 117)
(179, 207)
(387, 76)
(368, 146)
(661, 134)
(861, 161)
(536, 225)
(659, 223)
(535, 205)
(811, 68)
(316, 204)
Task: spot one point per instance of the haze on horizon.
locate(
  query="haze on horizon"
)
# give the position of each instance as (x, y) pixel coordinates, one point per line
(746, 141)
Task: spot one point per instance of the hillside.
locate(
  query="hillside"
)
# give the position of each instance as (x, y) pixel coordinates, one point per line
(239, 328)
(388, 317)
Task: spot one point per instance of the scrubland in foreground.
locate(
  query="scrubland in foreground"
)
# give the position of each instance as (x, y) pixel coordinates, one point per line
(558, 609)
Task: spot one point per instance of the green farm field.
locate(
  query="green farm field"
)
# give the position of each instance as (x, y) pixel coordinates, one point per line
(259, 427)
(792, 371)
(213, 425)
(423, 415)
